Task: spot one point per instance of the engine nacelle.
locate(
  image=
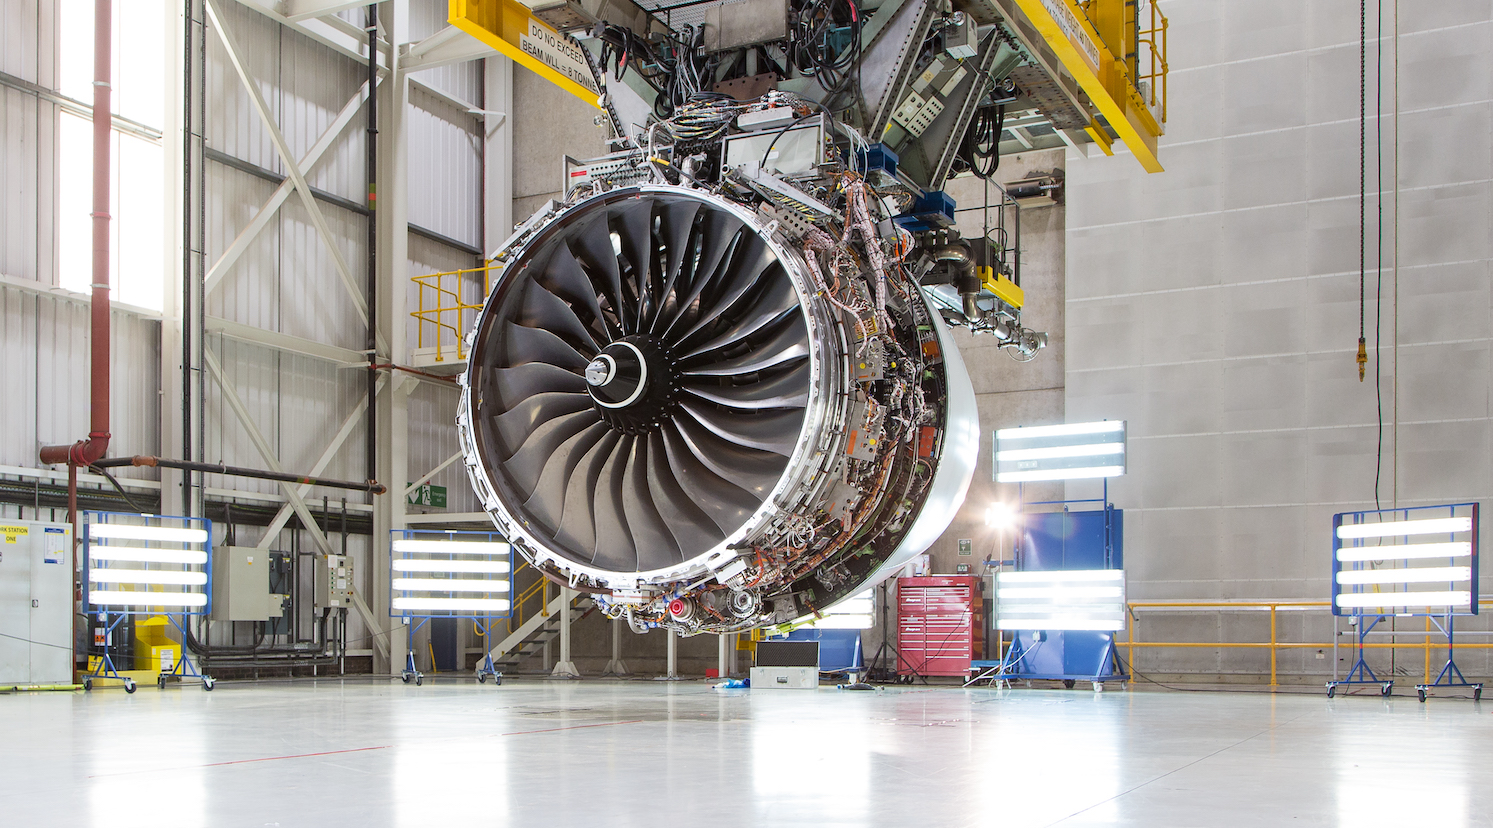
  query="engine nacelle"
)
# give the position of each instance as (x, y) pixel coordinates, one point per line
(710, 412)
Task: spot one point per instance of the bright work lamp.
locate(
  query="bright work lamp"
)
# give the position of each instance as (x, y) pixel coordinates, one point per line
(456, 574)
(144, 563)
(1060, 452)
(1082, 599)
(1421, 561)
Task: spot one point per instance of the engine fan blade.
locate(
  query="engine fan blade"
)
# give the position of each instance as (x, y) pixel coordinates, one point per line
(790, 342)
(679, 240)
(565, 278)
(691, 527)
(776, 432)
(719, 236)
(521, 344)
(547, 500)
(542, 309)
(517, 423)
(598, 254)
(726, 504)
(577, 530)
(776, 298)
(751, 469)
(650, 533)
(525, 465)
(741, 274)
(532, 378)
(614, 546)
(789, 389)
(635, 229)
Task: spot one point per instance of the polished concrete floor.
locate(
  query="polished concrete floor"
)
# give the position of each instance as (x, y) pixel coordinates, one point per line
(647, 753)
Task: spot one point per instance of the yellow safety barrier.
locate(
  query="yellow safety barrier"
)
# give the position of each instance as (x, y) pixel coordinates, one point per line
(444, 316)
(1275, 645)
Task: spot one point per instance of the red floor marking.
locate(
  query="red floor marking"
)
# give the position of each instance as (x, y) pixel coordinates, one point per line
(569, 727)
(246, 761)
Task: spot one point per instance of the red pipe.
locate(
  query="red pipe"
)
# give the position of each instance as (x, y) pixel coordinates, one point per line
(85, 452)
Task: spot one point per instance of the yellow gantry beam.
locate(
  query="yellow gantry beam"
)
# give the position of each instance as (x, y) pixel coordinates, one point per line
(507, 25)
(1106, 79)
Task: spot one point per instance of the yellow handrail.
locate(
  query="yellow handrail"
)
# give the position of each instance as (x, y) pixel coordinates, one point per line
(441, 306)
(541, 587)
(1274, 644)
(1155, 40)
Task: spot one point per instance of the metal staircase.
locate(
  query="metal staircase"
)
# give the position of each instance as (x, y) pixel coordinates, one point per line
(530, 637)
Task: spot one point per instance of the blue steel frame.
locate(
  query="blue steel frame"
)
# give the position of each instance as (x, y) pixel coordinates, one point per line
(1450, 675)
(183, 666)
(487, 669)
(1004, 669)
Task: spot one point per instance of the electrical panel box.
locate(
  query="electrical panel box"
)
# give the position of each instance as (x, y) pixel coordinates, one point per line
(334, 581)
(241, 584)
(36, 603)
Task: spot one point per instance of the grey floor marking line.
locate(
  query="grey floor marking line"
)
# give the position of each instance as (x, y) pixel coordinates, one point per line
(1178, 769)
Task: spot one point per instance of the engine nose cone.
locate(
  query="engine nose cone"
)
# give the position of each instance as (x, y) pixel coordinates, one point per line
(601, 370)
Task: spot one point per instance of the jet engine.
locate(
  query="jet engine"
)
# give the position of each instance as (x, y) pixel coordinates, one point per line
(719, 396)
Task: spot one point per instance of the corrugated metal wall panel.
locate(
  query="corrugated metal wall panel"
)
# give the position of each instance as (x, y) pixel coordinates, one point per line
(232, 125)
(18, 172)
(462, 80)
(445, 169)
(234, 198)
(317, 83)
(45, 377)
(314, 303)
(19, 25)
(432, 418)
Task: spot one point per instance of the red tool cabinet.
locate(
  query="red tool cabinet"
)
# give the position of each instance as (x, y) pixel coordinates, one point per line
(936, 624)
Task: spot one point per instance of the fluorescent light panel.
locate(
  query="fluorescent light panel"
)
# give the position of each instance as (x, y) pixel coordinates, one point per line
(851, 606)
(146, 599)
(408, 545)
(1399, 528)
(1051, 452)
(1062, 576)
(1459, 598)
(1060, 474)
(134, 554)
(1405, 552)
(1417, 575)
(479, 604)
(1061, 594)
(425, 565)
(1061, 622)
(117, 575)
(448, 585)
(1032, 432)
(170, 534)
(843, 622)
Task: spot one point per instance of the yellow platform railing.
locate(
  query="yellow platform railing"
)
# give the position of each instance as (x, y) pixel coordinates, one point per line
(523, 609)
(444, 315)
(1153, 40)
(1274, 644)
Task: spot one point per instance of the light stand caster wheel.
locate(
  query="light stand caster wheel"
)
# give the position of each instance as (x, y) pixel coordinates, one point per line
(1068, 683)
(1477, 693)
(207, 683)
(129, 686)
(87, 684)
(481, 678)
(1420, 694)
(1331, 691)
(405, 677)
(1384, 690)
(498, 679)
(161, 682)
(419, 679)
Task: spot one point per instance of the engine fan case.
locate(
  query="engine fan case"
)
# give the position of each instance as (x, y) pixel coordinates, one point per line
(529, 278)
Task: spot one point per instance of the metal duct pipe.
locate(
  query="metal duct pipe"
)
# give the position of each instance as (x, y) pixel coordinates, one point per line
(966, 283)
(371, 486)
(85, 452)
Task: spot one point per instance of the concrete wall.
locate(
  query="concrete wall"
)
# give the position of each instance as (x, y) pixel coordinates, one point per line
(1215, 307)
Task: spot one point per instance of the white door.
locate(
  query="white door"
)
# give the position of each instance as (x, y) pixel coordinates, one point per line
(51, 605)
(15, 603)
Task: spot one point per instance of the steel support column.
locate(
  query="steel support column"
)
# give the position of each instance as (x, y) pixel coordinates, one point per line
(565, 668)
